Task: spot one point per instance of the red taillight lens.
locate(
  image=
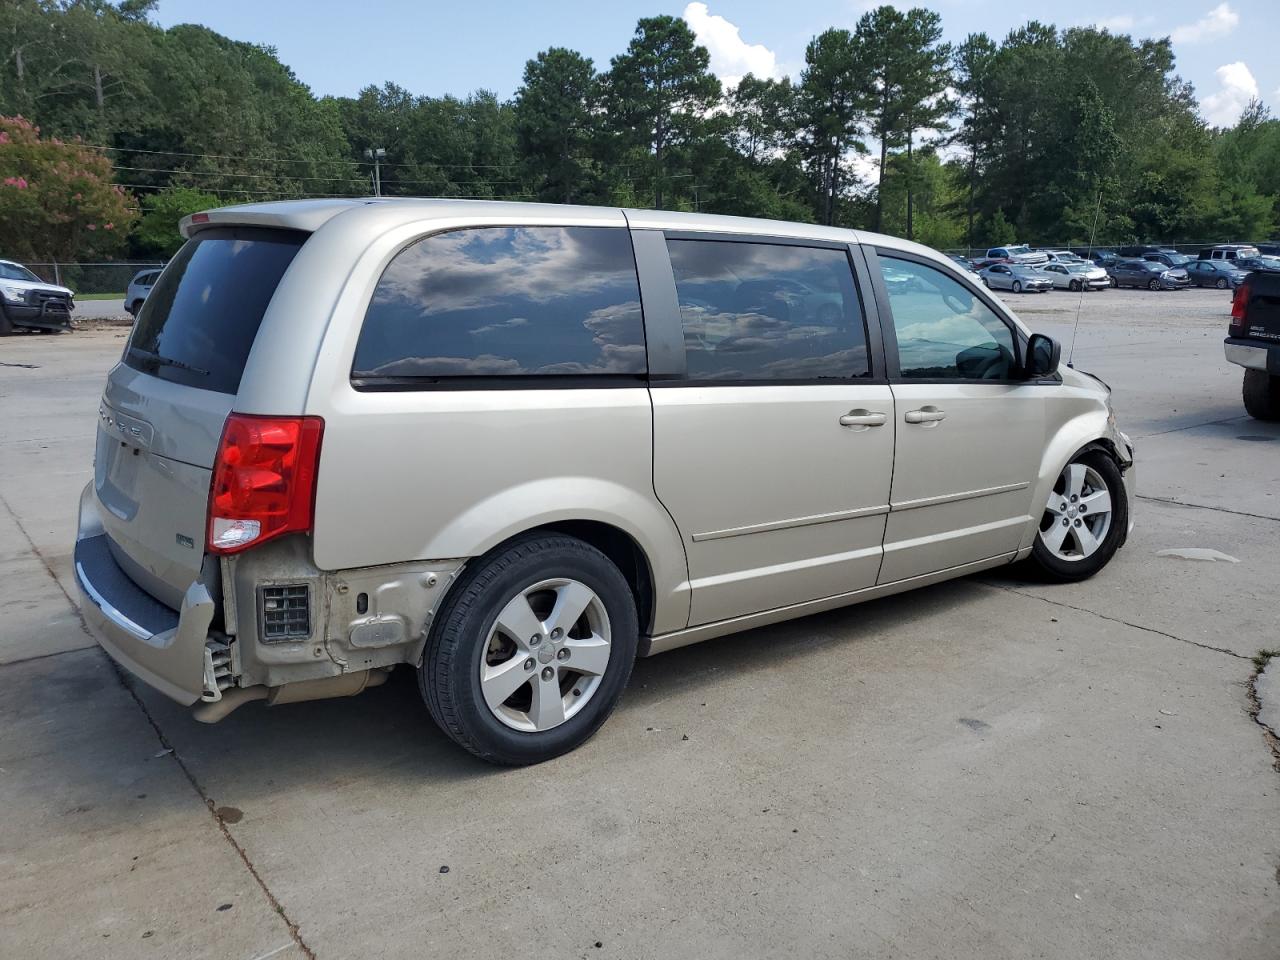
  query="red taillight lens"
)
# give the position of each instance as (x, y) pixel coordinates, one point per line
(1239, 307)
(264, 480)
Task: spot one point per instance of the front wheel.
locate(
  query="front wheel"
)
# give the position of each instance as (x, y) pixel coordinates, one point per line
(1075, 286)
(531, 652)
(1153, 285)
(1222, 283)
(1261, 395)
(1084, 521)
(1017, 286)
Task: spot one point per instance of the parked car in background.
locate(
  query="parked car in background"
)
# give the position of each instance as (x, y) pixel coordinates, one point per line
(1104, 258)
(1229, 251)
(1268, 249)
(1144, 273)
(1016, 277)
(1063, 256)
(139, 287)
(27, 302)
(1169, 259)
(1017, 253)
(1076, 275)
(1215, 273)
(964, 263)
(1138, 251)
(567, 531)
(1263, 262)
(1253, 342)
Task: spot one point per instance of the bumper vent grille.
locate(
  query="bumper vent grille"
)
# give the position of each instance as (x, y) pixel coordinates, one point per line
(217, 670)
(285, 612)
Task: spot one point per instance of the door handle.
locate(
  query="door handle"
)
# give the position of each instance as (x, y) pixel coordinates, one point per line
(927, 414)
(863, 418)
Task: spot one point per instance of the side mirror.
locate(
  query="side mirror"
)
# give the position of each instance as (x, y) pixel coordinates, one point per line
(1043, 356)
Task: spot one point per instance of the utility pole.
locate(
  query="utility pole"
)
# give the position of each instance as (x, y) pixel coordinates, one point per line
(376, 154)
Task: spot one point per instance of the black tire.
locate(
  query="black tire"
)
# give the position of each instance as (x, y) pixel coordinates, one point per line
(1153, 285)
(449, 677)
(985, 282)
(1261, 395)
(1222, 283)
(133, 308)
(6, 325)
(1075, 286)
(1049, 567)
(1017, 286)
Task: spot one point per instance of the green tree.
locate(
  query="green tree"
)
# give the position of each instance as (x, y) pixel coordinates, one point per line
(660, 94)
(157, 233)
(556, 112)
(971, 62)
(830, 114)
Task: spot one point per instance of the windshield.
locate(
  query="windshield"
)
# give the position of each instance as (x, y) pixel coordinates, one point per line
(1079, 267)
(1022, 248)
(11, 271)
(1024, 270)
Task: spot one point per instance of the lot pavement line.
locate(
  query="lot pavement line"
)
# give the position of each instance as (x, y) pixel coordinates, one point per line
(1204, 506)
(164, 743)
(1191, 426)
(1103, 616)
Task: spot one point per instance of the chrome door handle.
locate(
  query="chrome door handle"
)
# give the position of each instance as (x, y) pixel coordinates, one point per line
(863, 418)
(928, 414)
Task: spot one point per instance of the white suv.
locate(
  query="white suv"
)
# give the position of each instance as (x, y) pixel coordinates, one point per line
(515, 446)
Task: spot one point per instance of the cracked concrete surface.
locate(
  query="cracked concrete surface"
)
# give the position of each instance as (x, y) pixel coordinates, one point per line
(987, 768)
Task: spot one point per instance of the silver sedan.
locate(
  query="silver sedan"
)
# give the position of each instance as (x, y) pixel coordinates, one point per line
(1016, 277)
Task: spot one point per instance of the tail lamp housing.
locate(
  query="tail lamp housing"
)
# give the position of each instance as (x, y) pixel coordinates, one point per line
(1239, 308)
(264, 480)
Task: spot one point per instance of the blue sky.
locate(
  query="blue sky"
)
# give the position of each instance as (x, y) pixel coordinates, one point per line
(1226, 49)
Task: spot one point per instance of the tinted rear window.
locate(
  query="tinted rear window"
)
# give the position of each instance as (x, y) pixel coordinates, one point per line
(505, 301)
(200, 319)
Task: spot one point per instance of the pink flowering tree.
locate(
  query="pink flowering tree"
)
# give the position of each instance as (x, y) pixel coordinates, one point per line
(57, 201)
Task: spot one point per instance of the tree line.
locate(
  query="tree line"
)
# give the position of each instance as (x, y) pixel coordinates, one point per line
(1045, 135)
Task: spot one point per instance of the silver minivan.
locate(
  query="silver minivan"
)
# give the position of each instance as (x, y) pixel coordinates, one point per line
(515, 446)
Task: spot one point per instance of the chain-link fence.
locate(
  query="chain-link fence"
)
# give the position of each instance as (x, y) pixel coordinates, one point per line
(93, 278)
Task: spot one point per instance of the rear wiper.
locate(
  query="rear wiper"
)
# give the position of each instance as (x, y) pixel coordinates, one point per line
(166, 361)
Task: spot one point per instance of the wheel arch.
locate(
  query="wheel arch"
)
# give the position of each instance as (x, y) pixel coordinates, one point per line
(1086, 431)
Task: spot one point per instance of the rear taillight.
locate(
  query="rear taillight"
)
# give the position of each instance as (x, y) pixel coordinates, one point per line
(1239, 307)
(264, 480)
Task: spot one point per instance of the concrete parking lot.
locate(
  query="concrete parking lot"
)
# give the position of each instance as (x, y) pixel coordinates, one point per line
(988, 768)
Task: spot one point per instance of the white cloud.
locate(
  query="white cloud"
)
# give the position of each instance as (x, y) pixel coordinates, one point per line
(1218, 22)
(1236, 87)
(1119, 24)
(732, 58)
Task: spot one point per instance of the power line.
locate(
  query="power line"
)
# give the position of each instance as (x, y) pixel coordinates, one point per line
(353, 163)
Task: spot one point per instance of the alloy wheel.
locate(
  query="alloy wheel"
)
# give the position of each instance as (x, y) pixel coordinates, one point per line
(1078, 516)
(546, 655)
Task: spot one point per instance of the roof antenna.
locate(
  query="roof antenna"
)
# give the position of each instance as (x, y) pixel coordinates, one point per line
(1093, 234)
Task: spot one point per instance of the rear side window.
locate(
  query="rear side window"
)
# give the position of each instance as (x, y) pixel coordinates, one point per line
(763, 311)
(505, 301)
(200, 319)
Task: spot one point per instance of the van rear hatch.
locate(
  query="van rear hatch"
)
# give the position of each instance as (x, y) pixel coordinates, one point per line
(165, 403)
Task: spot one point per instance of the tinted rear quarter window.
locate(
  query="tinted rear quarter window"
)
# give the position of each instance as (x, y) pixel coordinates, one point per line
(758, 311)
(505, 302)
(200, 319)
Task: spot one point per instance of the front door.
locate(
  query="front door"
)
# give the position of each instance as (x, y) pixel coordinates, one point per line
(774, 451)
(970, 432)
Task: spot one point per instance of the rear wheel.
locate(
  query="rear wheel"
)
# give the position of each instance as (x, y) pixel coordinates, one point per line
(1261, 395)
(6, 325)
(1084, 520)
(532, 651)
(134, 307)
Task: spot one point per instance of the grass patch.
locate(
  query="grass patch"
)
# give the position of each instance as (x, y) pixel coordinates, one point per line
(1263, 657)
(99, 296)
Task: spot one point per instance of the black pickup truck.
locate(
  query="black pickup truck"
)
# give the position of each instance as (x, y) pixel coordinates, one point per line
(1253, 342)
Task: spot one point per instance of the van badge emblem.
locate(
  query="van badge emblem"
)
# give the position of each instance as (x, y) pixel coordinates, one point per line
(185, 541)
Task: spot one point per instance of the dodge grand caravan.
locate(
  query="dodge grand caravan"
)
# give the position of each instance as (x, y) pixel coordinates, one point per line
(516, 446)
